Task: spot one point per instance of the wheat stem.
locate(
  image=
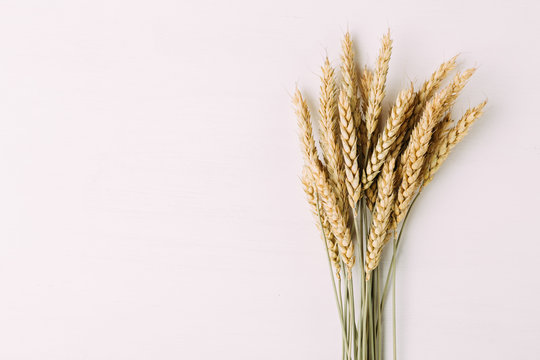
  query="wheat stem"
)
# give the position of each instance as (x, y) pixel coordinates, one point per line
(330, 266)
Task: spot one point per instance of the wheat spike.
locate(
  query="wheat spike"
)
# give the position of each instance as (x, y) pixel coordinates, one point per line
(365, 84)
(351, 86)
(458, 83)
(431, 85)
(381, 216)
(451, 138)
(336, 218)
(365, 77)
(322, 223)
(378, 85)
(371, 196)
(426, 92)
(329, 200)
(413, 158)
(349, 75)
(330, 142)
(439, 133)
(399, 114)
(349, 147)
(307, 141)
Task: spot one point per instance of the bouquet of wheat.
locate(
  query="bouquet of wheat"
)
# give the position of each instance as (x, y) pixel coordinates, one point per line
(371, 171)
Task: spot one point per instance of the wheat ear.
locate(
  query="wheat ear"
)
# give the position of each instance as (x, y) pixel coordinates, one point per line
(349, 146)
(381, 216)
(458, 83)
(329, 125)
(451, 138)
(439, 134)
(400, 112)
(370, 196)
(349, 75)
(378, 85)
(336, 218)
(307, 141)
(412, 160)
(322, 224)
(424, 94)
(431, 85)
(365, 84)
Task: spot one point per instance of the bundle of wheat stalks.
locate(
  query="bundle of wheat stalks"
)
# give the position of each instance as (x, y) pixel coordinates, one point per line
(371, 170)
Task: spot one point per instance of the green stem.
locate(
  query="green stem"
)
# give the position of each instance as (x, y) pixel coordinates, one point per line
(352, 326)
(394, 256)
(330, 267)
(394, 347)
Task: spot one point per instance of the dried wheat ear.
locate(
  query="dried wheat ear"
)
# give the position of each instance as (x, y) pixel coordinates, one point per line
(366, 170)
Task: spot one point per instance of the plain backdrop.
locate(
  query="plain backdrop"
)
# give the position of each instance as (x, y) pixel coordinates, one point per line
(150, 204)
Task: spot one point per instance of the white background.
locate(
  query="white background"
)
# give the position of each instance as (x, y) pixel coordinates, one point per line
(150, 206)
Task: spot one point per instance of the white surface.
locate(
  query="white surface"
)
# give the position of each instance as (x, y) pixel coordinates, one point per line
(149, 199)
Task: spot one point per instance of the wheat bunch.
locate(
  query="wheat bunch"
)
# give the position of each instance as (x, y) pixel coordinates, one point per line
(365, 184)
